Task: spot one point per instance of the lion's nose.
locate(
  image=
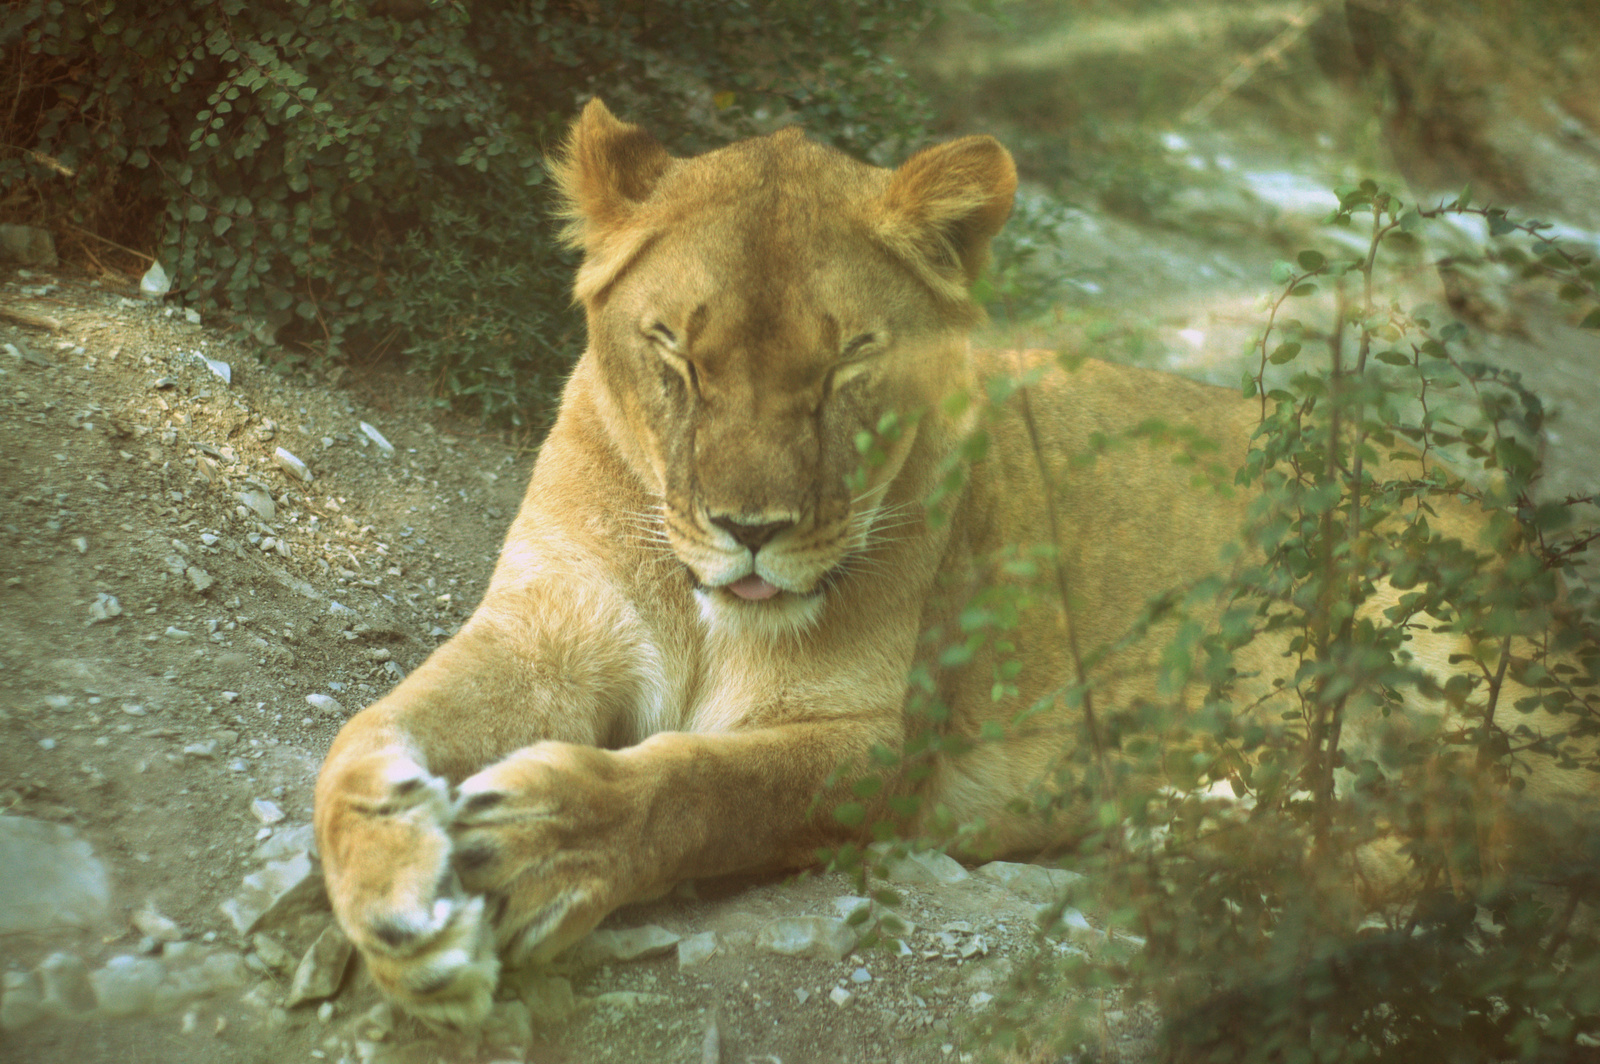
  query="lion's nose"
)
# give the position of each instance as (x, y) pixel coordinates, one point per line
(753, 536)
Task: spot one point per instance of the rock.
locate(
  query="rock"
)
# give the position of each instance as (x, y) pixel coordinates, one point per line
(49, 876)
(127, 985)
(630, 999)
(292, 465)
(151, 922)
(206, 751)
(549, 998)
(67, 990)
(1034, 882)
(28, 245)
(198, 578)
(271, 951)
(696, 949)
(155, 284)
(203, 974)
(322, 968)
(508, 1024)
(103, 608)
(807, 936)
(928, 868)
(711, 1044)
(979, 1000)
(1073, 925)
(377, 1023)
(23, 1002)
(288, 842)
(327, 705)
(840, 996)
(280, 890)
(634, 943)
(377, 437)
(267, 811)
(260, 502)
(223, 371)
(861, 975)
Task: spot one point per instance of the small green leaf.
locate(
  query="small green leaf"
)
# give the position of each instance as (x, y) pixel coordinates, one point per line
(1311, 260)
(851, 814)
(1393, 358)
(1592, 321)
(1285, 352)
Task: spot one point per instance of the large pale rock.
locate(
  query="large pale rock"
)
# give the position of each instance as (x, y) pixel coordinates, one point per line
(549, 998)
(280, 890)
(1034, 882)
(929, 868)
(807, 936)
(631, 944)
(509, 1024)
(695, 950)
(127, 985)
(322, 968)
(67, 990)
(23, 1002)
(49, 878)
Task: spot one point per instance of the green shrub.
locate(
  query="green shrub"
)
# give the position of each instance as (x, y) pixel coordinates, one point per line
(369, 174)
(1233, 837)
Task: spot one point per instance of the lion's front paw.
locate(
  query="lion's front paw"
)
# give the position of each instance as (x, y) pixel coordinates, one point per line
(383, 827)
(538, 834)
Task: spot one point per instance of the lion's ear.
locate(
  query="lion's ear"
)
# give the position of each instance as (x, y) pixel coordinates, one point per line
(944, 205)
(608, 167)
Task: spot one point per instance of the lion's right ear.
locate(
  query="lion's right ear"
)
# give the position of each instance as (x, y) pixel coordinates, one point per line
(606, 169)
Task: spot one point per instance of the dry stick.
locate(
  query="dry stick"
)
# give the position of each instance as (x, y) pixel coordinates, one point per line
(30, 321)
(1298, 24)
(112, 243)
(1089, 717)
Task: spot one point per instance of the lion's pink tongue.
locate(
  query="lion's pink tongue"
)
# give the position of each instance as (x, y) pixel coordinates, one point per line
(752, 588)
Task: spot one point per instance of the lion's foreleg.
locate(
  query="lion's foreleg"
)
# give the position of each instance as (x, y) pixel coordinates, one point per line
(384, 805)
(558, 835)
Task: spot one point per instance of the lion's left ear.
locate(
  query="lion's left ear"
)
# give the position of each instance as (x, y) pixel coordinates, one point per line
(943, 206)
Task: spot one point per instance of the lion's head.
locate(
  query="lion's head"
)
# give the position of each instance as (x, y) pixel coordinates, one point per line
(754, 310)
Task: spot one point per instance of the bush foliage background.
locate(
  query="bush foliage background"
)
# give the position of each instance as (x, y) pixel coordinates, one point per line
(367, 175)
(1225, 828)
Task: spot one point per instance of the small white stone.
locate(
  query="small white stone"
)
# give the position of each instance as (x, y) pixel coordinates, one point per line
(840, 996)
(377, 437)
(292, 465)
(267, 811)
(325, 704)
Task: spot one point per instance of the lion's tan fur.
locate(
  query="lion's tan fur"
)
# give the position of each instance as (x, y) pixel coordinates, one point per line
(614, 718)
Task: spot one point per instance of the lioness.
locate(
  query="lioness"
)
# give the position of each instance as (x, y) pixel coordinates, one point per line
(710, 601)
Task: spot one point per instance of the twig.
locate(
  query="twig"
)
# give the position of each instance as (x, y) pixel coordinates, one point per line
(112, 243)
(1298, 24)
(29, 321)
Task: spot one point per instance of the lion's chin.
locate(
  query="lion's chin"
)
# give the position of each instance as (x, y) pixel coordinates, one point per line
(779, 614)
